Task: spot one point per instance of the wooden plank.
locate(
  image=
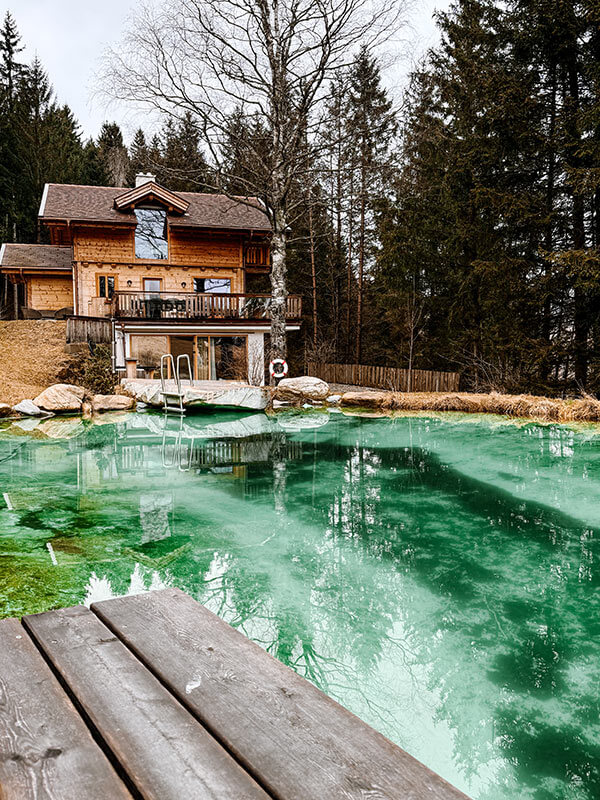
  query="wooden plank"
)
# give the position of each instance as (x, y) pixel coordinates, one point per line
(164, 750)
(298, 742)
(46, 750)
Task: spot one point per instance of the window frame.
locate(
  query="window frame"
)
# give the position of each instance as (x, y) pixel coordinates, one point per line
(107, 275)
(141, 260)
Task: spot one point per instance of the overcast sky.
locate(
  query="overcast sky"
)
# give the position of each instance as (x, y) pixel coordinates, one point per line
(69, 37)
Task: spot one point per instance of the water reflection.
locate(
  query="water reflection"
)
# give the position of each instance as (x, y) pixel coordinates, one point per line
(440, 579)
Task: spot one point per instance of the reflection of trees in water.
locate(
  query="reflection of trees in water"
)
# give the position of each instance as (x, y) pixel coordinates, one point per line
(523, 632)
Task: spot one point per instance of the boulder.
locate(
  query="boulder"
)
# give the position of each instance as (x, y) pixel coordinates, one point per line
(62, 397)
(5, 410)
(334, 399)
(295, 390)
(365, 399)
(111, 402)
(28, 409)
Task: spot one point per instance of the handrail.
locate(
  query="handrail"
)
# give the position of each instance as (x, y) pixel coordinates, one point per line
(196, 305)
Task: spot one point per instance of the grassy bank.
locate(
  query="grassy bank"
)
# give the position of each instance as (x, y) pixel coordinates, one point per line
(31, 354)
(584, 409)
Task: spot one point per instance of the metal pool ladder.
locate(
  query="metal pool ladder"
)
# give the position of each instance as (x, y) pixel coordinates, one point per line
(173, 400)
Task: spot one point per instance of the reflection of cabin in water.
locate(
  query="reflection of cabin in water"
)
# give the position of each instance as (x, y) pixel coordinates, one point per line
(143, 447)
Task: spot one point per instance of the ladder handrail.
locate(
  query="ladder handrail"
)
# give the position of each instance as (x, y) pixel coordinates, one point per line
(167, 359)
(189, 366)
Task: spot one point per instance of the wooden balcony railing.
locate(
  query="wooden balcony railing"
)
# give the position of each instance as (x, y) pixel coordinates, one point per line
(191, 305)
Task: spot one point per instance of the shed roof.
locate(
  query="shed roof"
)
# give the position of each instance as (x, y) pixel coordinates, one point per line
(97, 204)
(36, 256)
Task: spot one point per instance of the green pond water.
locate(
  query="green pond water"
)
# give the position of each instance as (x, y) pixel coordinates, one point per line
(439, 576)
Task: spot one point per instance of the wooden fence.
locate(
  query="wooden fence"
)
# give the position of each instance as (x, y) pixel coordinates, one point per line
(399, 380)
(89, 329)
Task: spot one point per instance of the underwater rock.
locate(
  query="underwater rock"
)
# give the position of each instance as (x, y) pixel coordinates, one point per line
(295, 420)
(302, 388)
(61, 428)
(61, 397)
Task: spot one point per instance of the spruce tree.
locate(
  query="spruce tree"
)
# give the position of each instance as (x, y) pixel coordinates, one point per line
(113, 154)
(370, 125)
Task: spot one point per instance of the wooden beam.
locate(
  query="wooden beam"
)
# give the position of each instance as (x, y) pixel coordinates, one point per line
(46, 751)
(296, 741)
(165, 752)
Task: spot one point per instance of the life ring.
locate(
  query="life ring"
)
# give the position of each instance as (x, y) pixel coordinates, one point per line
(278, 368)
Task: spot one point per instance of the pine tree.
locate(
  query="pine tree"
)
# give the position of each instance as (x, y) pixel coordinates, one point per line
(113, 154)
(371, 125)
(12, 73)
(139, 156)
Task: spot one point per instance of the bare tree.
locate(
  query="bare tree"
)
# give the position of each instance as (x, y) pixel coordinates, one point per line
(269, 60)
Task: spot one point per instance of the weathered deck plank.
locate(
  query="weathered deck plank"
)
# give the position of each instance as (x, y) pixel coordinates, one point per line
(46, 751)
(295, 740)
(166, 753)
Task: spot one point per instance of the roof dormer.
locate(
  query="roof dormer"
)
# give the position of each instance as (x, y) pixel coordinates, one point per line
(150, 192)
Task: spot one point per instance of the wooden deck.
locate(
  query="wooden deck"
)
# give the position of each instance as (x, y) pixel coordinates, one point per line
(154, 697)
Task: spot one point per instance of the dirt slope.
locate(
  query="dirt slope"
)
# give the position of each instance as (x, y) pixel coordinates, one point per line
(31, 354)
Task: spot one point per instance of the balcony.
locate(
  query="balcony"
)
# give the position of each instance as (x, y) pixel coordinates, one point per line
(195, 306)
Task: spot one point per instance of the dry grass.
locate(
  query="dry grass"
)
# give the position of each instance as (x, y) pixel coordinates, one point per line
(584, 409)
(31, 354)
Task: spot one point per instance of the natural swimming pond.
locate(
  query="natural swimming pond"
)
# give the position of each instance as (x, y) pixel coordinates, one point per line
(438, 576)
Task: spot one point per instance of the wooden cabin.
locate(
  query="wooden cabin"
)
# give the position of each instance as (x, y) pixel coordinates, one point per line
(168, 269)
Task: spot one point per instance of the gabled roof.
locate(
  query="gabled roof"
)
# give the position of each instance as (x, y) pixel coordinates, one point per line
(69, 203)
(151, 192)
(36, 256)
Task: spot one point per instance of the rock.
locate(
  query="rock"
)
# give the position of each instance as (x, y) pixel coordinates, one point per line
(224, 394)
(61, 397)
(111, 402)
(334, 399)
(299, 389)
(28, 409)
(365, 399)
(5, 410)
(295, 420)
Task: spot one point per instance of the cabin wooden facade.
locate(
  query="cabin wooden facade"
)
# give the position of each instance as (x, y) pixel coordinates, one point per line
(169, 269)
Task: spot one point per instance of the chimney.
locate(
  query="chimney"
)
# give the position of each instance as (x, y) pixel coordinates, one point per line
(144, 177)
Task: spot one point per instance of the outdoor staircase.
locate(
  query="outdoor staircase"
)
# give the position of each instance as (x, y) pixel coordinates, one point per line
(173, 400)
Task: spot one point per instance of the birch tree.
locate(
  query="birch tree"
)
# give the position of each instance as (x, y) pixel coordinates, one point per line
(269, 60)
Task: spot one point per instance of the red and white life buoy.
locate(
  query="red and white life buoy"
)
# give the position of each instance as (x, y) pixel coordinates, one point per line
(278, 368)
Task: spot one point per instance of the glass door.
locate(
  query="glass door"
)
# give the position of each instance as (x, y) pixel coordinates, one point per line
(202, 362)
(183, 346)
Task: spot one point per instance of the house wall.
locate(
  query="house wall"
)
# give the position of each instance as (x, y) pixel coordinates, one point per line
(49, 293)
(111, 252)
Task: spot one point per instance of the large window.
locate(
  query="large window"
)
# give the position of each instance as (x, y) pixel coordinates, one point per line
(151, 233)
(212, 285)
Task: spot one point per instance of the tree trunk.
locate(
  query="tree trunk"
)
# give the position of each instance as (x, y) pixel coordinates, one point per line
(581, 320)
(361, 270)
(278, 291)
(548, 236)
(313, 273)
(349, 265)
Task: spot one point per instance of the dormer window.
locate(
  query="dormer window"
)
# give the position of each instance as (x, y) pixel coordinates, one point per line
(151, 234)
